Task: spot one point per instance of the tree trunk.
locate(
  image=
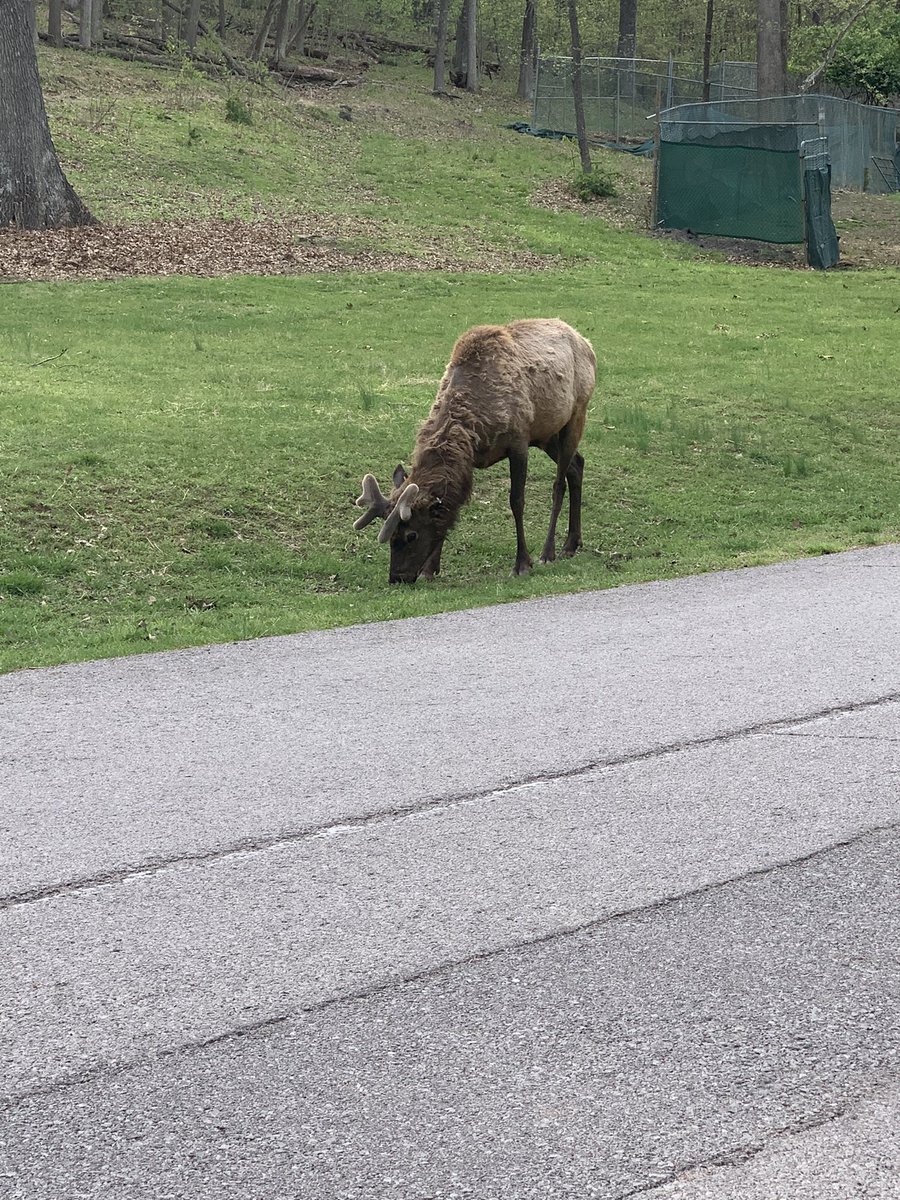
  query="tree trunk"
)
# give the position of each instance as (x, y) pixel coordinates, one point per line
(54, 23)
(35, 192)
(460, 56)
(262, 34)
(192, 24)
(440, 48)
(471, 45)
(526, 57)
(707, 48)
(84, 25)
(771, 67)
(222, 18)
(282, 29)
(298, 34)
(97, 22)
(626, 46)
(577, 92)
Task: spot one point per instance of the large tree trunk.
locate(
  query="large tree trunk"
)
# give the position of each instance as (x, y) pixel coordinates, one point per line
(625, 47)
(259, 42)
(526, 56)
(282, 29)
(97, 22)
(577, 91)
(192, 24)
(84, 25)
(771, 64)
(440, 48)
(35, 193)
(222, 19)
(54, 22)
(297, 41)
(471, 45)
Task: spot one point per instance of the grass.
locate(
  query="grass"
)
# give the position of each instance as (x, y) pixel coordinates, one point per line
(185, 472)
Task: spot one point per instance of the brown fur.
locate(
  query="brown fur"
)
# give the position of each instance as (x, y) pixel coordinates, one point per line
(506, 388)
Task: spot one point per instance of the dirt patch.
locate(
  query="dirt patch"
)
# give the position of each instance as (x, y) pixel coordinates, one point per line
(285, 246)
(868, 225)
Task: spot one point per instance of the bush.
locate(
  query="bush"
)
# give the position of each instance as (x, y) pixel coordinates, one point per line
(593, 185)
(237, 111)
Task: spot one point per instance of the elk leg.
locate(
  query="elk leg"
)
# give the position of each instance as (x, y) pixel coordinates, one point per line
(565, 452)
(518, 470)
(432, 565)
(574, 477)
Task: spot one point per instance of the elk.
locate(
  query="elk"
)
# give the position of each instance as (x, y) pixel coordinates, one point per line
(505, 389)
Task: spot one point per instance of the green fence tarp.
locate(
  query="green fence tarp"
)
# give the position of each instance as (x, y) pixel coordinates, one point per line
(731, 191)
(821, 236)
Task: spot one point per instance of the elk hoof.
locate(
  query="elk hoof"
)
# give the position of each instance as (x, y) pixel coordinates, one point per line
(548, 556)
(522, 568)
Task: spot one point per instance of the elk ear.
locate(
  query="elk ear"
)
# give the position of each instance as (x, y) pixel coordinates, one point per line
(400, 475)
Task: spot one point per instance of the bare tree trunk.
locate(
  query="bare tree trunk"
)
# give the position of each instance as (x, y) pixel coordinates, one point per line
(282, 29)
(84, 25)
(627, 43)
(771, 67)
(298, 34)
(707, 48)
(262, 34)
(471, 45)
(526, 56)
(54, 22)
(192, 24)
(440, 48)
(35, 192)
(577, 92)
(222, 18)
(97, 22)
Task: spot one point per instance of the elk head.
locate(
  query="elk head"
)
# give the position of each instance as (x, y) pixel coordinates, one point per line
(410, 527)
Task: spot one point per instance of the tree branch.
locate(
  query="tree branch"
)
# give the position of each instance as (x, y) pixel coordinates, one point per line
(814, 77)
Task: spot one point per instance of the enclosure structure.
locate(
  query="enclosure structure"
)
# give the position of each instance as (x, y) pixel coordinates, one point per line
(619, 93)
(766, 182)
(861, 138)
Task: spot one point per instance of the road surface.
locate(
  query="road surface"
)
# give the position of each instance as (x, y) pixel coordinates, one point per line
(594, 897)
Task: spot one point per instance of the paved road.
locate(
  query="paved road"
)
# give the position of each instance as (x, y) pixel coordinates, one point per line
(589, 897)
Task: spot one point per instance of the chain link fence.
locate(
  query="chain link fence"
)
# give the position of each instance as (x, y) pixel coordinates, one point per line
(621, 93)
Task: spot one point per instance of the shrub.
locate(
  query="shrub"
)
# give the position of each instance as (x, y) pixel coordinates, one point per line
(237, 111)
(593, 185)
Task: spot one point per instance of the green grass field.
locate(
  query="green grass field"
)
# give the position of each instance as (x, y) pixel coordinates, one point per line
(182, 468)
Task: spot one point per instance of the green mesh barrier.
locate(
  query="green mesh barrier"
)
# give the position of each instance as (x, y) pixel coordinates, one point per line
(731, 191)
(821, 236)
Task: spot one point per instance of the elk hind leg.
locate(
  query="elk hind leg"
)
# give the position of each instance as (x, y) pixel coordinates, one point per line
(574, 478)
(567, 442)
(518, 471)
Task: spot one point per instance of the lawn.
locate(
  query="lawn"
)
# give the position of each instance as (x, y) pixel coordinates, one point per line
(184, 472)
(180, 457)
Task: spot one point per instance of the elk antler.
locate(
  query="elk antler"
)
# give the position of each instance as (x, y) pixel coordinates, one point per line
(371, 497)
(401, 511)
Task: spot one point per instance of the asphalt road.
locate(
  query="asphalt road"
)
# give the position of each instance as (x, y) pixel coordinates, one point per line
(587, 897)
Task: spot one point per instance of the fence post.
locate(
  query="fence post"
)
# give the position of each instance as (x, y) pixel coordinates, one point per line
(670, 81)
(657, 146)
(618, 97)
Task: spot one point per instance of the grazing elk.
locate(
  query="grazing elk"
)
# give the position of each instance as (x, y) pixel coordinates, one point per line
(506, 387)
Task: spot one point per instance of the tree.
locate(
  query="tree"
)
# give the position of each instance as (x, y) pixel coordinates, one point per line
(191, 24)
(529, 46)
(54, 22)
(440, 49)
(84, 25)
(626, 47)
(282, 30)
(771, 46)
(471, 9)
(259, 42)
(97, 22)
(35, 192)
(577, 91)
(707, 48)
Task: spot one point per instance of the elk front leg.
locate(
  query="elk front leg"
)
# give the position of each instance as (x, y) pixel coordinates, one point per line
(518, 471)
(433, 562)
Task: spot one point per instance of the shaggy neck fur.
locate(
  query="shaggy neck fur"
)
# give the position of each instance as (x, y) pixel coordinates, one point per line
(443, 460)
